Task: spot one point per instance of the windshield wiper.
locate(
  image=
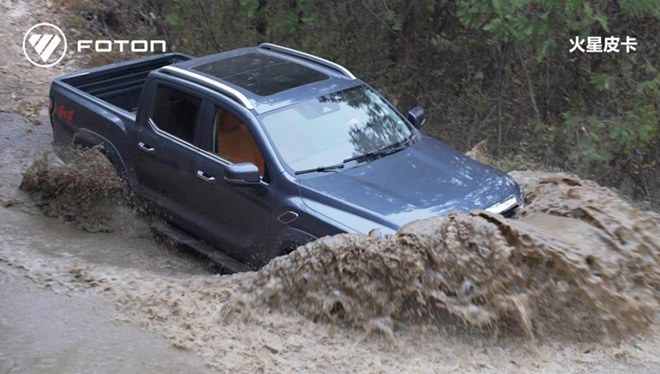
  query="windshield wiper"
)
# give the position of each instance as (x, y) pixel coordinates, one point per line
(392, 148)
(320, 169)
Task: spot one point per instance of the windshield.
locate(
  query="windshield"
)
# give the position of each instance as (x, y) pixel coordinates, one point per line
(330, 129)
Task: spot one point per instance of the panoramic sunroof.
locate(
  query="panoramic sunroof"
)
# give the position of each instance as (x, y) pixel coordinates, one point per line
(261, 74)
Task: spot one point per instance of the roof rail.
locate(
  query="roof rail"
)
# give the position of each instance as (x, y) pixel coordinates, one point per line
(208, 82)
(308, 57)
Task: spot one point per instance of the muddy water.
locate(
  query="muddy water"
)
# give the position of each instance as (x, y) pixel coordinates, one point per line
(578, 269)
(83, 192)
(574, 274)
(46, 323)
(42, 332)
(581, 263)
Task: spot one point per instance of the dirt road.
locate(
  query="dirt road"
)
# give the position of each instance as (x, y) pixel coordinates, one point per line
(46, 329)
(116, 300)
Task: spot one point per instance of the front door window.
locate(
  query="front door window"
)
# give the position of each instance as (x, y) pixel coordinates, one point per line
(234, 142)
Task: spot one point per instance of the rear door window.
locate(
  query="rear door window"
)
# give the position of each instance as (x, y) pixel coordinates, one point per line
(176, 112)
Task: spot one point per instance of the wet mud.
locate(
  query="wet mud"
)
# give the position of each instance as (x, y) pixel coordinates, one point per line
(580, 263)
(82, 192)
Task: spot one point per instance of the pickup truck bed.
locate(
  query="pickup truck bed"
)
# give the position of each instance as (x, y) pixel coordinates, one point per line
(121, 84)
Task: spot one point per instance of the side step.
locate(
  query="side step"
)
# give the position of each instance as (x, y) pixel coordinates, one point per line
(227, 264)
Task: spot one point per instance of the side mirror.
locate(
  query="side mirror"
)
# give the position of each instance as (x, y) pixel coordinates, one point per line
(245, 173)
(416, 117)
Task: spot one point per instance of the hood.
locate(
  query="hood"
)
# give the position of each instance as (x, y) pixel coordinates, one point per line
(427, 178)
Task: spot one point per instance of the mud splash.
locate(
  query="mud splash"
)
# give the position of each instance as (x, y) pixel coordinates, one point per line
(580, 263)
(82, 192)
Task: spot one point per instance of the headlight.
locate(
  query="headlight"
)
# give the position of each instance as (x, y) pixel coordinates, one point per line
(505, 207)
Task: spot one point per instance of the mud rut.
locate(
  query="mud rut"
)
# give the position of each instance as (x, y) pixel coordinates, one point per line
(570, 285)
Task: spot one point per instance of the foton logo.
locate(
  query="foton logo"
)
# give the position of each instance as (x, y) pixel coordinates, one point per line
(138, 46)
(47, 45)
(44, 45)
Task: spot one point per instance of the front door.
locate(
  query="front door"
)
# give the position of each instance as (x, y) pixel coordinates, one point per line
(233, 217)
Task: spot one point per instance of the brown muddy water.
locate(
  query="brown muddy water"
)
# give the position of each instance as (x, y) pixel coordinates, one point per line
(572, 284)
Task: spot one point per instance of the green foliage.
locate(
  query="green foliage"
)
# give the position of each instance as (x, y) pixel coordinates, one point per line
(598, 141)
(392, 20)
(251, 7)
(536, 24)
(639, 9)
(483, 69)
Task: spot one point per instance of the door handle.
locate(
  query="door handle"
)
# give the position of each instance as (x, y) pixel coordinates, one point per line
(205, 177)
(146, 147)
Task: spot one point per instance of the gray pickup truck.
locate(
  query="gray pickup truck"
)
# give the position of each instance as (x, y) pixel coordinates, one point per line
(252, 152)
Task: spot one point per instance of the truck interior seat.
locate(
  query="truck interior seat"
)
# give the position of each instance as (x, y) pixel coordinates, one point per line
(235, 142)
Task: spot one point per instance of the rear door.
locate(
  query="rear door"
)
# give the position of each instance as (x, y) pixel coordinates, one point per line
(233, 217)
(165, 154)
